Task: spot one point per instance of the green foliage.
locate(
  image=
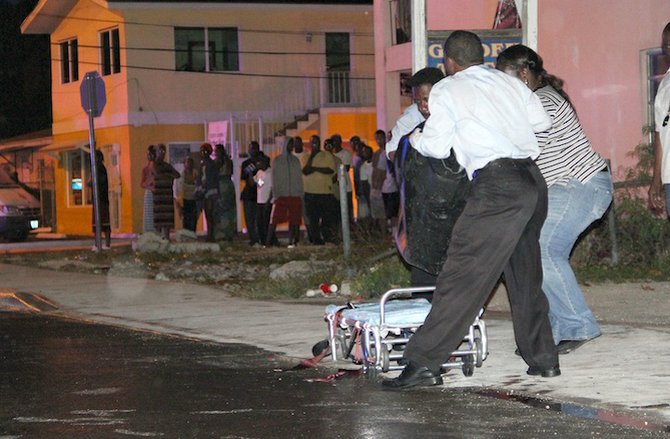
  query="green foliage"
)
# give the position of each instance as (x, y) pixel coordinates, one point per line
(376, 279)
(632, 243)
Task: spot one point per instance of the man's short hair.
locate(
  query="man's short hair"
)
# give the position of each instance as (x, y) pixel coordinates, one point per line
(465, 48)
(666, 29)
(428, 75)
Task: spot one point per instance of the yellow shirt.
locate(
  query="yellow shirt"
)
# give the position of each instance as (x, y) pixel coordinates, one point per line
(317, 182)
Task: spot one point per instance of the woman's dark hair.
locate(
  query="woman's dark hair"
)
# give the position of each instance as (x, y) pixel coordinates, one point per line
(519, 56)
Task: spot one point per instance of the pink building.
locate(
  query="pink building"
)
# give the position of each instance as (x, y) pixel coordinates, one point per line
(604, 50)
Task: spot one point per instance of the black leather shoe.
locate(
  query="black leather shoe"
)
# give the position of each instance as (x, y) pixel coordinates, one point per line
(546, 373)
(567, 346)
(413, 375)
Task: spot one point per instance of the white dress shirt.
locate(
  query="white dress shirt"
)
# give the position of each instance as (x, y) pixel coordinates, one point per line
(410, 118)
(661, 111)
(483, 114)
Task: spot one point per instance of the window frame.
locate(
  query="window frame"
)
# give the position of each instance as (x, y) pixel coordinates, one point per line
(654, 66)
(69, 60)
(209, 49)
(110, 51)
(83, 174)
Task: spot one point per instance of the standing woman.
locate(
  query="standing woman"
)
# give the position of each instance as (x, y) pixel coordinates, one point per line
(189, 209)
(580, 191)
(163, 193)
(226, 206)
(208, 182)
(148, 184)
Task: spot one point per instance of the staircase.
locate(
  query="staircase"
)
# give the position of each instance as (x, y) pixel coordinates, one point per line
(307, 121)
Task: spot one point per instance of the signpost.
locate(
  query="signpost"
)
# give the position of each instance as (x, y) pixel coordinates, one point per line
(93, 100)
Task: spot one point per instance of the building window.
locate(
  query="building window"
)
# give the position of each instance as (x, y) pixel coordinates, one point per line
(219, 54)
(78, 171)
(654, 66)
(110, 52)
(69, 61)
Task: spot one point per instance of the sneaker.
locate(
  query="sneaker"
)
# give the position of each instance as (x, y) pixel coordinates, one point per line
(290, 246)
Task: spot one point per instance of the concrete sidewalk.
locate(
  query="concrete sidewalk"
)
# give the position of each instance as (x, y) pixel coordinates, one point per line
(622, 373)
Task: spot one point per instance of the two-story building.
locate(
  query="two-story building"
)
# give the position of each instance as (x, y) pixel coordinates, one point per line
(172, 69)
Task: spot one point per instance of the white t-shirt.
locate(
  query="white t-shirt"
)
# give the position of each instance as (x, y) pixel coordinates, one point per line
(366, 171)
(661, 111)
(263, 181)
(410, 118)
(346, 157)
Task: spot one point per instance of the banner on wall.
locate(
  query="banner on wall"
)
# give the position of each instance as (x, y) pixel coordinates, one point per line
(507, 16)
(217, 132)
(493, 41)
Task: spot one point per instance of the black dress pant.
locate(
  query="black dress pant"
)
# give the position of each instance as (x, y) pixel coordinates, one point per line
(321, 212)
(497, 232)
(251, 218)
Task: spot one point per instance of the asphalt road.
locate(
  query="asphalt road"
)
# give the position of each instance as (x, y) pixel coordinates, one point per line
(65, 378)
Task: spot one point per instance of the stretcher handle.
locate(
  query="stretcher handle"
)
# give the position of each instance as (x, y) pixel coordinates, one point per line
(399, 292)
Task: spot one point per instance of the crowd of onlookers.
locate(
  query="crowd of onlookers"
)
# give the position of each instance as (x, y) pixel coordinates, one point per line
(300, 186)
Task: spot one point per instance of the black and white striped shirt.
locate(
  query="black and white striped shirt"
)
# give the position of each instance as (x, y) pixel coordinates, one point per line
(565, 150)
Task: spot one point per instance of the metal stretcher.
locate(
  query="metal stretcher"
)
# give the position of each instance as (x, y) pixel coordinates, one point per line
(374, 334)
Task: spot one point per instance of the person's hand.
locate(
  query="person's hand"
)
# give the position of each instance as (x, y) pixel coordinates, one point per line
(656, 197)
(415, 136)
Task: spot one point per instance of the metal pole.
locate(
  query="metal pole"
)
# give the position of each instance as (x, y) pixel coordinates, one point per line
(344, 212)
(90, 89)
(419, 35)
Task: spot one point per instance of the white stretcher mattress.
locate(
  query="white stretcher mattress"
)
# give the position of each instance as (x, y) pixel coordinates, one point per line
(405, 312)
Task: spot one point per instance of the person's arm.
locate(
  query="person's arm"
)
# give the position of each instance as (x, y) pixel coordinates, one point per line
(439, 132)
(309, 167)
(409, 119)
(537, 115)
(656, 196)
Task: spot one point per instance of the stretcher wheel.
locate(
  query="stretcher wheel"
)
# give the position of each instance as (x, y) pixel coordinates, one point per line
(319, 347)
(479, 359)
(371, 372)
(384, 355)
(468, 365)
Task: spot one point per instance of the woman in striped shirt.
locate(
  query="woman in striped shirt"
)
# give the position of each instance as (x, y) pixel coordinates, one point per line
(580, 191)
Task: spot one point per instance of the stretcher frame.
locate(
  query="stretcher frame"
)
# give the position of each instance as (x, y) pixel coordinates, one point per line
(381, 340)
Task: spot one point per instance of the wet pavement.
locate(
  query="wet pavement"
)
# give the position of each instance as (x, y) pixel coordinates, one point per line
(70, 378)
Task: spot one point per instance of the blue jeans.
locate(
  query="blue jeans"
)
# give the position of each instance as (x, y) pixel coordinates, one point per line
(572, 208)
(666, 189)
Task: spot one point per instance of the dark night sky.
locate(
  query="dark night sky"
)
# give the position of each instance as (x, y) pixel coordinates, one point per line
(25, 79)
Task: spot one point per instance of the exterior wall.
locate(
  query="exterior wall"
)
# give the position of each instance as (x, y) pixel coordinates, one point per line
(149, 102)
(68, 115)
(133, 142)
(593, 45)
(348, 124)
(599, 60)
(170, 96)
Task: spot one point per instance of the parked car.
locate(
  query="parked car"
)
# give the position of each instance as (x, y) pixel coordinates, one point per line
(19, 209)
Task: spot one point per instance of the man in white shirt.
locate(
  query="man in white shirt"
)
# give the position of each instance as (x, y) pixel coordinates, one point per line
(660, 184)
(489, 121)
